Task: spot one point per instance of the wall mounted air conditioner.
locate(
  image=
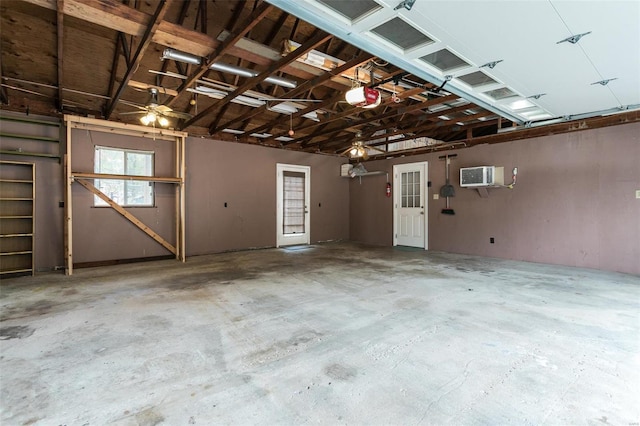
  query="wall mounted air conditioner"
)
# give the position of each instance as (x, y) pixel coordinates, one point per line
(481, 176)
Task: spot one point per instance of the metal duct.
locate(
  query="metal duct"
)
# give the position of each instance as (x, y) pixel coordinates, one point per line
(223, 67)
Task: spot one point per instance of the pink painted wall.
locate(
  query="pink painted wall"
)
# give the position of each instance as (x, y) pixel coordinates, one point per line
(574, 203)
(244, 177)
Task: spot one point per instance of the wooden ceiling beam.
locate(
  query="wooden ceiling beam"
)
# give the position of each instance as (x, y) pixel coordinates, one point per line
(396, 112)
(318, 37)
(222, 49)
(307, 85)
(158, 16)
(422, 130)
(60, 46)
(409, 127)
(181, 17)
(313, 107)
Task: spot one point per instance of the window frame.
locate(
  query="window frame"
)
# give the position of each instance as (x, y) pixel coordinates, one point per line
(98, 202)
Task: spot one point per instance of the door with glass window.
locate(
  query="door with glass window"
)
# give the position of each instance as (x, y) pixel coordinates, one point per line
(410, 205)
(292, 199)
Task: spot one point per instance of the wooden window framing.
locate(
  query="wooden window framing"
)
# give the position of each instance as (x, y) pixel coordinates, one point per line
(75, 122)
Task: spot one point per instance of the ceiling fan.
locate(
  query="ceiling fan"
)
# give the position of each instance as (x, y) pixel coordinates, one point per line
(156, 113)
(359, 150)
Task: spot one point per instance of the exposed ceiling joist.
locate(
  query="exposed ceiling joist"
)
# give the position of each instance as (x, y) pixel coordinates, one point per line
(307, 85)
(317, 38)
(60, 46)
(251, 21)
(142, 46)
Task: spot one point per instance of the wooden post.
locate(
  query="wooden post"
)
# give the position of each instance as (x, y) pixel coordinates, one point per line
(68, 210)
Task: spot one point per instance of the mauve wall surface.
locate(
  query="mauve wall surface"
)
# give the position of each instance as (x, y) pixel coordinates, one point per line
(49, 215)
(244, 177)
(100, 233)
(574, 203)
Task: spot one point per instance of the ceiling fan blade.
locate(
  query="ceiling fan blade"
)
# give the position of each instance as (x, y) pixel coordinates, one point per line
(163, 109)
(177, 114)
(374, 149)
(132, 112)
(146, 86)
(346, 151)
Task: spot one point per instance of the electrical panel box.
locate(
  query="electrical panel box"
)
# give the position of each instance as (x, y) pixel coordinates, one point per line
(481, 176)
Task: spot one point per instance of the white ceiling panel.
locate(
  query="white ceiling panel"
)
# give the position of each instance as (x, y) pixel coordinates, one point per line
(523, 35)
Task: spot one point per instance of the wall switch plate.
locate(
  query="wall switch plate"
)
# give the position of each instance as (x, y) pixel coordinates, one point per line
(436, 196)
(637, 193)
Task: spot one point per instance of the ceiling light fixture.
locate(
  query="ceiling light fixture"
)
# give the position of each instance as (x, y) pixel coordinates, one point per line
(574, 38)
(223, 67)
(151, 118)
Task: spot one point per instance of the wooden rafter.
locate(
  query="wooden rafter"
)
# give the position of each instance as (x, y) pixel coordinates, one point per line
(223, 48)
(60, 45)
(202, 6)
(313, 107)
(137, 58)
(409, 126)
(4, 97)
(181, 17)
(307, 85)
(399, 110)
(317, 38)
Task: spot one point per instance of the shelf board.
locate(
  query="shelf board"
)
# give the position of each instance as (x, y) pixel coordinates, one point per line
(16, 180)
(13, 253)
(16, 199)
(80, 175)
(16, 271)
(29, 154)
(16, 217)
(29, 120)
(27, 137)
(15, 235)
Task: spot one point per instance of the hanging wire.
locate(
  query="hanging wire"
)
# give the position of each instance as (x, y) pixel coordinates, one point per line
(585, 53)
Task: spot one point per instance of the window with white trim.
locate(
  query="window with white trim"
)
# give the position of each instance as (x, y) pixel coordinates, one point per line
(117, 161)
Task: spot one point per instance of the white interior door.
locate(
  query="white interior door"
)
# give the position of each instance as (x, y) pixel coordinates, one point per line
(410, 205)
(293, 201)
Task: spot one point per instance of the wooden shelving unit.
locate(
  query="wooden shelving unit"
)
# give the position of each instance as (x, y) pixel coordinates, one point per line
(17, 209)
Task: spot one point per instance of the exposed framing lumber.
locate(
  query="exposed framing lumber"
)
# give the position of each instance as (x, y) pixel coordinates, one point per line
(403, 109)
(409, 127)
(137, 58)
(315, 39)
(183, 14)
(131, 218)
(60, 46)
(251, 21)
(179, 138)
(80, 175)
(307, 85)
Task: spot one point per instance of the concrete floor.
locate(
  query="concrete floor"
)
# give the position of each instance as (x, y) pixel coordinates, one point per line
(332, 334)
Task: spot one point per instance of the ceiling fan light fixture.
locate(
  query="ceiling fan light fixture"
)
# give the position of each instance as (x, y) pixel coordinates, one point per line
(148, 118)
(163, 122)
(364, 97)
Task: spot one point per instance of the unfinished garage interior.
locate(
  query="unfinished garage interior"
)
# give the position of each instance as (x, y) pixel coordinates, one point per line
(319, 212)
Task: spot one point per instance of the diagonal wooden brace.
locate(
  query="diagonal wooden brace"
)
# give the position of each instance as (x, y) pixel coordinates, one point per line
(137, 222)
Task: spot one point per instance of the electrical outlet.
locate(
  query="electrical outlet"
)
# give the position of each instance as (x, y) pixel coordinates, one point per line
(436, 196)
(637, 193)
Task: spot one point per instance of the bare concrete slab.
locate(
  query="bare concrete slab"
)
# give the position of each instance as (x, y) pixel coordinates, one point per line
(330, 334)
